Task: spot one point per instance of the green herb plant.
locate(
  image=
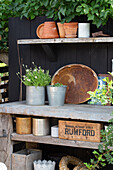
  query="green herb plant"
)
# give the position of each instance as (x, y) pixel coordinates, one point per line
(35, 77)
(57, 85)
(104, 155)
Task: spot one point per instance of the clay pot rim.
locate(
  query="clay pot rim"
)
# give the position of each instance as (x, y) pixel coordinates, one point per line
(50, 22)
(41, 26)
(70, 23)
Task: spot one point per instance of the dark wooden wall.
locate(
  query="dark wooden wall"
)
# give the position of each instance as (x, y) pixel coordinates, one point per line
(97, 56)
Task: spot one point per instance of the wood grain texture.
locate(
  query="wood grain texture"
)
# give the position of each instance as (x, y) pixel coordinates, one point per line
(23, 159)
(68, 111)
(98, 55)
(66, 40)
(83, 131)
(17, 31)
(6, 146)
(54, 141)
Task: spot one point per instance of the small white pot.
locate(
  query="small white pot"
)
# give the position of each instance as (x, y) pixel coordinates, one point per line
(83, 30)
(54, 131)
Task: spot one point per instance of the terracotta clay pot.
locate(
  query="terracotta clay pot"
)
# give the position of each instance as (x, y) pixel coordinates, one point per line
(70, 29)
(61, 30)
(50, 30)
(39, 30)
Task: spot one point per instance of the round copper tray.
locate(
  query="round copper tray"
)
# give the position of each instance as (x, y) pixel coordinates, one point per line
(79, 80)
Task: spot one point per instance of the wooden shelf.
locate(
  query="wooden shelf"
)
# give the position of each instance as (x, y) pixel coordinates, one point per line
(66, 40)
(49, 51)
(54, 141)
(68, 111)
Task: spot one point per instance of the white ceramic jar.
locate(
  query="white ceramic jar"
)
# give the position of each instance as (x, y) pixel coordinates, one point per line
(54, 131)
(83, 30)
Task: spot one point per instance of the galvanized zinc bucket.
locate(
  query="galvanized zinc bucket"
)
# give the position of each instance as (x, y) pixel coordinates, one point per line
(35, 95)
(56, 95)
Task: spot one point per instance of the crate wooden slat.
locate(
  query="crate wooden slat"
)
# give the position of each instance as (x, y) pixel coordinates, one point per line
(54, 141)
(66, 40)
(23, 159)
(68, 111)
(83, 131)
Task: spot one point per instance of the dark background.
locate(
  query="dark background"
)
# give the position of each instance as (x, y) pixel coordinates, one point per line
(98, 56)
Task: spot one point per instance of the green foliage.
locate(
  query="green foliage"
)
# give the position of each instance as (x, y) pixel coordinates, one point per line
(57, 85)
(104, 93)
(105, 153)
(5, 13)
(95, 10)
(35, 77)
(65, 10)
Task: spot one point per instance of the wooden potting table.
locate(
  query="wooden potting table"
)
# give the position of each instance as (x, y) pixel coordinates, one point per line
(84, 112)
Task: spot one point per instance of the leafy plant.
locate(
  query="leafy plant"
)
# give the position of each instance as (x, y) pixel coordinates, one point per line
(104, 93)
(35, 76)
(57, 85)
(5, 13)
(105, 153)
(95, 10)
(65, 10)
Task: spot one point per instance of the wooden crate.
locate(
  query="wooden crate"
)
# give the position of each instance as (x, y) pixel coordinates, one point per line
(23, 160)
(82, 131)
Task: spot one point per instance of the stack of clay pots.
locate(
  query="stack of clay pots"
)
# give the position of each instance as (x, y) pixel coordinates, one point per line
(49, 30)
(68, 30)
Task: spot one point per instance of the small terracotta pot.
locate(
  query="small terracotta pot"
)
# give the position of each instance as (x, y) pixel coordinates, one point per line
(70, 29)
(39, 30)
(61, 30)
(50, 30)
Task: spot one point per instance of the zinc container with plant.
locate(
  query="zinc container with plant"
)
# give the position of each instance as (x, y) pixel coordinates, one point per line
(35, 81)
(56, 94)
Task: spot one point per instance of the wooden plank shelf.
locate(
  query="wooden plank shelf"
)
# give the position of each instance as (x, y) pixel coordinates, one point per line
(68, 111)
(54, 141)
(66, 40)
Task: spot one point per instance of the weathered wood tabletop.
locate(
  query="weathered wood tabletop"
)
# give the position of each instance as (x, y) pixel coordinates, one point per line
(68, 111)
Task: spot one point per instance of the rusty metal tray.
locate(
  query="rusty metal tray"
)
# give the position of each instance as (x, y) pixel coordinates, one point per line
(79, 80)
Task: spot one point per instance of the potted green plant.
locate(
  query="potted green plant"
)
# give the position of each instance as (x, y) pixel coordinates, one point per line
(35, 80)
(56, 94)
(104, 155)
(103, 94)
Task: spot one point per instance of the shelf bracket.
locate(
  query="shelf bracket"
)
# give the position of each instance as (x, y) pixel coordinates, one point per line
(49, 52)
